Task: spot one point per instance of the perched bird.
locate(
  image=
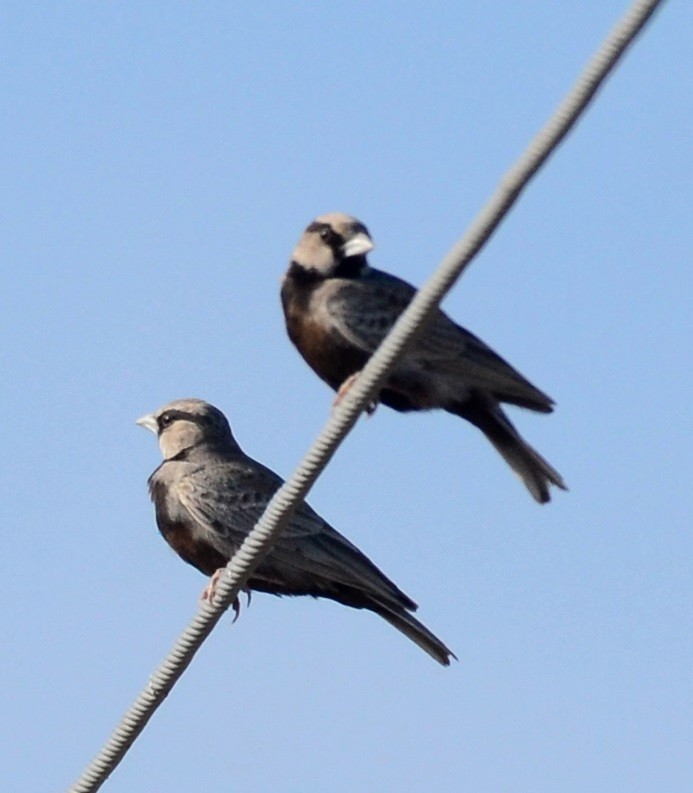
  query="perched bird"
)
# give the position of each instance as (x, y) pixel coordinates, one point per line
(209, 494)
(338, 310)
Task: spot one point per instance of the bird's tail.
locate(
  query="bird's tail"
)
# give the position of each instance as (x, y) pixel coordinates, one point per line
(528, 464)
(401, 619)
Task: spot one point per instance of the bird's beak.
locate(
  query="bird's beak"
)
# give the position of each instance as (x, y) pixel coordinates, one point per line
(149, 423)
(357, 245)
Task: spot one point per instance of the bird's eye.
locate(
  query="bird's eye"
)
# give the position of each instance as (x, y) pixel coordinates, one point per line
(326, 234)
(165, 420)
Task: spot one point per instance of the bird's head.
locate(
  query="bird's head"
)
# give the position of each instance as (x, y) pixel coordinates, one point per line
(187, 423)
(333, 246)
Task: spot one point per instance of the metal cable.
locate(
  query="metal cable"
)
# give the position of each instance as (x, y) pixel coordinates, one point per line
(285, 500)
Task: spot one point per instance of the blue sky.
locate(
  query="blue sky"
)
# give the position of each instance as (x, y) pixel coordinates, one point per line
(159, 162)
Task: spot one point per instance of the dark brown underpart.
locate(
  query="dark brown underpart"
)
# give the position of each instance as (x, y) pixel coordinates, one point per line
(208, 560)
(330, 357)
(191, 549)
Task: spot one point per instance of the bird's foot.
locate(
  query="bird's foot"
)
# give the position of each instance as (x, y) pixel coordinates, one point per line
(344, 389)
(210, 590)
(237, 605)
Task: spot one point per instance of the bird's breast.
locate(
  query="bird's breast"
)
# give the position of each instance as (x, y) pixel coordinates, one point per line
(323, 348)
(191, 546)
(180, 531)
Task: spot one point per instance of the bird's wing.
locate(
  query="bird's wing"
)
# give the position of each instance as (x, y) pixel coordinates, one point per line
(227, 499)
(363, 310)
(449, 349)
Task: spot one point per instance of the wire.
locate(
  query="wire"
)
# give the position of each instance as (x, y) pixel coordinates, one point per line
(286, 499)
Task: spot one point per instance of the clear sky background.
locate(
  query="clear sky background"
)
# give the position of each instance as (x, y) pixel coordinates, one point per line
(159, 162)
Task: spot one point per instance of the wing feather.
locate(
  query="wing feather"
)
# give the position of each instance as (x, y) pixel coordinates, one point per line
(226, 499)
(362, 311)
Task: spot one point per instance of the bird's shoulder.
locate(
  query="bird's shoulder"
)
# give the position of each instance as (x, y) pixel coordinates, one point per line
(230, 494)
(372, 288)
(363, 309)
(232, 480)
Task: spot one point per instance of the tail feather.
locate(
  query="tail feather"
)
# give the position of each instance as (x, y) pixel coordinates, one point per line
(349, 578)
(416, 631)
(528, 464)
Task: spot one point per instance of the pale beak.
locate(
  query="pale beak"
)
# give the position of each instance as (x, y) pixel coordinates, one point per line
(357, 245)
(149, 422)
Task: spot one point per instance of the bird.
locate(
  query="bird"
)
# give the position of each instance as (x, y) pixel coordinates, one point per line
(338, 309)
(208, 494)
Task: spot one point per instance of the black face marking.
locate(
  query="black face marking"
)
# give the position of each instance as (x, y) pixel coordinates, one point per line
(181, 457)
(170, 416)
(328, 235)
(352, 267)
(214, 428)
(300, 275)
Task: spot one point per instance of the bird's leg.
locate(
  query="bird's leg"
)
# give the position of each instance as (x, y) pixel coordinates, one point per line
(343, 390)
(210, 591)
